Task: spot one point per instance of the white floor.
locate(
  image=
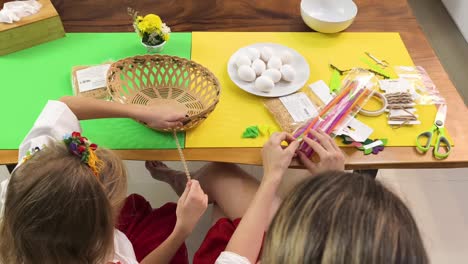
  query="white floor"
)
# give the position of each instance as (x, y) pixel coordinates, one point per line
(438, 199)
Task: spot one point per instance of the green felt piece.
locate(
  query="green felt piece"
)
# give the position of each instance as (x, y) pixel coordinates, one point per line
(30, 77)
(376, 67)
(346, 140)
(251, 132)
(335, 81)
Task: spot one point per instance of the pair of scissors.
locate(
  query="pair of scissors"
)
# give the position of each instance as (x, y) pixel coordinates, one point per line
(442, 143)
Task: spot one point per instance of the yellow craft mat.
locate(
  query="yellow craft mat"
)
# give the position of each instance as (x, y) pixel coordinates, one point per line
(237, 109)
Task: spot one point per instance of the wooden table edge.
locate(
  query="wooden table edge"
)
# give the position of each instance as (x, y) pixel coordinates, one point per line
(251, 156)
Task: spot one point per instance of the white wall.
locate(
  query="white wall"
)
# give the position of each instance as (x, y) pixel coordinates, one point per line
(458, 9)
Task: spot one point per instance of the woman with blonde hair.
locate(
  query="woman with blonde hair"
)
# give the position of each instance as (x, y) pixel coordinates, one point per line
(331, 217)
(338, 217)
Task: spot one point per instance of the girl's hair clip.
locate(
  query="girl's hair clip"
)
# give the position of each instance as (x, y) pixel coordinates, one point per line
(30, 153)
(85, 150)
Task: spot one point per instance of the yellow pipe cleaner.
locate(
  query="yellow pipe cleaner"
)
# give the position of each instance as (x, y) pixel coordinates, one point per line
(94, 162)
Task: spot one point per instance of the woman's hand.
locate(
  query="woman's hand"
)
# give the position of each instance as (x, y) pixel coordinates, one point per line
(331, 157)
(190, 207)
(162, 116)
(276, 158)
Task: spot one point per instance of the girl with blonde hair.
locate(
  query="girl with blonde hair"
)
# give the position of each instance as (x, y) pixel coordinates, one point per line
(67, 196)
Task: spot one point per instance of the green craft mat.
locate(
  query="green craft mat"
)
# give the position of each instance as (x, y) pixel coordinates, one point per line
(31, 77)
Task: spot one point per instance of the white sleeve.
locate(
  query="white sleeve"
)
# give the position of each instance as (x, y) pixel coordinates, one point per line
(3, 190)
(55, 121)
(123, 249)
(227, 257)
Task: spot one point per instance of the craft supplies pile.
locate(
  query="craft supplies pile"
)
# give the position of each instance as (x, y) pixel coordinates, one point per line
(334, 109)
(357, 88)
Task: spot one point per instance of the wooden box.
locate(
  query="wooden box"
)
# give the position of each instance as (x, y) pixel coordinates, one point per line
(41, 27)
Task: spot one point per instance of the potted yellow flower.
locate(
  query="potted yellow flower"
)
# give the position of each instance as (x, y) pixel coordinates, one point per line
(153, 32)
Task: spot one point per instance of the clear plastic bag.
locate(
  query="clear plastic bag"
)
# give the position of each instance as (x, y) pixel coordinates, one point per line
(301, 107)
(356, 89)
(424, 90)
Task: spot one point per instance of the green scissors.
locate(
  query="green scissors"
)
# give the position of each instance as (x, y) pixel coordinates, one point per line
(441, 141)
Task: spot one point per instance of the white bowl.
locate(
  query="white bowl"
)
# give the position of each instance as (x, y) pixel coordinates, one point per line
(328, 16)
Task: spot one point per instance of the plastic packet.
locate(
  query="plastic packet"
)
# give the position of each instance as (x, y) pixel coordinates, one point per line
(356, 89)
(425, 91)
(292, 110)
(90, 81)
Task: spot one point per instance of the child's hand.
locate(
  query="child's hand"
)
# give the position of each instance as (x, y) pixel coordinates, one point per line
(331, 157)
(276, 158)
(162, 116)
(190, 207)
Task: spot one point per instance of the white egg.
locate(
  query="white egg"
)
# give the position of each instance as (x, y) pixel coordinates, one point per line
(264, 84)
(246, 73)
(253, 53)
(274, 63)
(243, 60)
(266, 53)
(258, 66)
(286, 57)
(274, 74)
(288, 73)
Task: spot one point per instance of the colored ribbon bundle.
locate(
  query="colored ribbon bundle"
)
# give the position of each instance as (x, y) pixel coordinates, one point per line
(357, 89)
(85, 150)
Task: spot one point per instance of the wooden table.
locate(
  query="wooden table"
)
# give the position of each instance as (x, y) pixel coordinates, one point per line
(278, 15)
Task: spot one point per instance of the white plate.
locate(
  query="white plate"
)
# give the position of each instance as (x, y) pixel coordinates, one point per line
(281, 88)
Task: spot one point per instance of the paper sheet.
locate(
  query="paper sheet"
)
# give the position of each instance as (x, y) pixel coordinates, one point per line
(322, 91)
(48, 78)
(92, 78)
(356, 130)
(299, 106)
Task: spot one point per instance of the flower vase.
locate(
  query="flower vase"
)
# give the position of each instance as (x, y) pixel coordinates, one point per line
(154, 49)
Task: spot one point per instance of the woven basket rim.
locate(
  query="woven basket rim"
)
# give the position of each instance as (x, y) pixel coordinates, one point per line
(113, 69)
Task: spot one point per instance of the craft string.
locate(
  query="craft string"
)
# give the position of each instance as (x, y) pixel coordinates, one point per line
(399, 98)
(181, 155)
(399, 106)
(401, 101)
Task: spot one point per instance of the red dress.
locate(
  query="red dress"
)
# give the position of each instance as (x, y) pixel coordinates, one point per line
(147, 228)
(215, 241)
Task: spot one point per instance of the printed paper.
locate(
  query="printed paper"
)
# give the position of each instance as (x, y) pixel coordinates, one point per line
(92, 78)
(322, 91)
(299, 106)
(356, 130)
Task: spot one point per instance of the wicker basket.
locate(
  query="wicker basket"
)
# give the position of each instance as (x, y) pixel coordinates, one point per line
(158, 79)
